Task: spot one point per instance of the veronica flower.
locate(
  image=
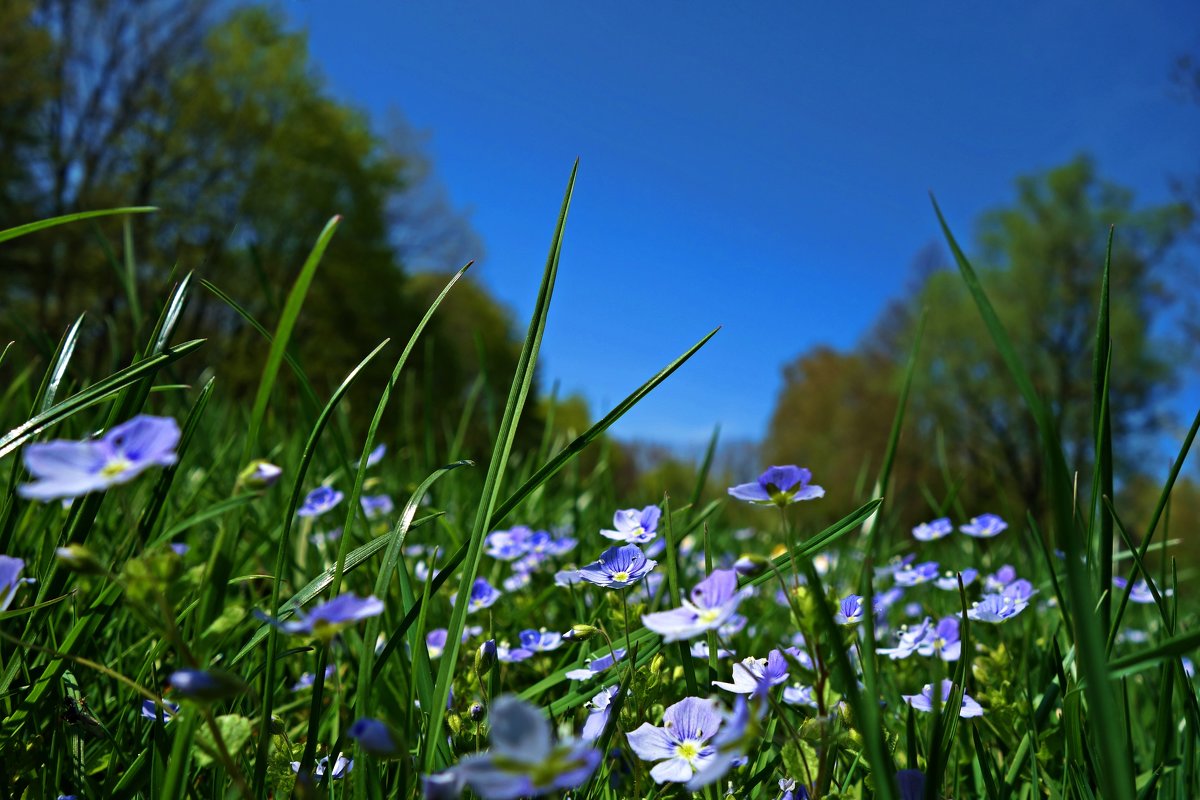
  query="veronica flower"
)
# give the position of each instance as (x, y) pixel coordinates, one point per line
(435, 642)
(924, 700)
(516, 581)
(543, 544)
(595, 666)
(523, 760)
(933, 530)
(1019, 591)
(64, 469)
(542, 641)
(180, 548)
(150, 710)
(850, 610)
(894, 565)
(911, 783)
(779, 486)
(374, 736)
(327, 619)
(798, 695)
(1140, 593)
(633, 526)
(734, 625)
(508, 545)
(483, 595)
(10, 579)
(908, 575)
(949, 579)
(750, 672)
(510, 655)
(599, 708)
(378, 505)
(996, 608)
(619, 566)
(985, 526)
(567, 577)
(887, 598)
(308, 678)
(376, 455)
(260, 474)
(699, 649)
(681, 746)
(788, 789)
(911, 640)
(944, 641)
(1000, 578)
(737, 734)
(712, 602)
(319, 501)
(341, 765)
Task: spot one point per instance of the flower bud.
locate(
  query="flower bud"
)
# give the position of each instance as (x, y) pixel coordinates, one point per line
(374, 737)
(78, 558)
(751, 564)
(580, 633)
(477, 711)
(259, 474)
(485, 657)
(205, 685)
(657, 663)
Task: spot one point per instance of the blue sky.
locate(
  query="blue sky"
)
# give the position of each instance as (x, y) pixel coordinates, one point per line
(763, 167)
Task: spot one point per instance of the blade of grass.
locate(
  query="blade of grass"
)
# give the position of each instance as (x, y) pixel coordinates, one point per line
(41, 225)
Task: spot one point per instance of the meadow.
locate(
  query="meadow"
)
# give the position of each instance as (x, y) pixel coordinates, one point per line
(203, 600)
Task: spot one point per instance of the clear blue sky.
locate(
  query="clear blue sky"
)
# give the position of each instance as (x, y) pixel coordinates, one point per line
(762, 166)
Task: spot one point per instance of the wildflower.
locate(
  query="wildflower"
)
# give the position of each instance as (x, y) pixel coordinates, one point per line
(619, 566)
(435, 642)
(320, 539)
(205, 685)
(483, 595)
(924, 700)
(798, 695)
(681, 746)
(510, 655)
(567, 577)
(320, 500)
(712, 602)
(850, 611)
(634, 526)
(446, 785)
(327, 619)
(523, 760)
(944, 641)
(180, 548)
(894, 565)
(379, 505)
(732, 626)
(700, 650)
(599, 708)
(516, 581)
(580, 633)
(750, 672)
(374, 736)
(911, 640)
(65, 469)
(508, 545)
(779, 486)
(985, 526)
(543, 544)
(931, 531)
(738, 732)
(1000, 578)
(949, 579)
(341, 765)
(376, 455)
(542, 641)
(751, 564)
(788, 789)
(485, 657)
(1140, 593)
(911, 783)
(150, 710)
(997, 608)
(259, 474)
(308, 679)
(908, 575)
(887, 598)
(596, 665)
(477, 711)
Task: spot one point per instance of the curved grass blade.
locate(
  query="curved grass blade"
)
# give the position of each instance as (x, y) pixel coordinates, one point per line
(33, 227)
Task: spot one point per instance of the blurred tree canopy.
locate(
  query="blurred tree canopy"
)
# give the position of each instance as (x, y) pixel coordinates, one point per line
(967, 430)
(215, 114)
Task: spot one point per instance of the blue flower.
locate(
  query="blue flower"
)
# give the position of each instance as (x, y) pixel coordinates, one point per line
(911, 783)
(376, 455)
(924, 700)
(508, 545)
(619, 566)
(341, 766)
(1000, 578)
(944, 641)
(850, 611)
(699, 649)
(779, 486)
(150, 710)
(10, 579)
(320, 500)
(324, 621)
(308, 679)
(908, 575)
(754, 674)
(1140, 593)
(634, 526)
(737, 734)
(510, 655)
(949, 580)
(799, 696)
(911, 640)
(599, 708)
(63, 469)
(378, 505)
(985, 526)
(204, 685)
(996, 608)
(374, 736)
(681, 746)
(935, 529)
(596, 665)
(260, 474)
(542, 641)
(483, 595)
(713, 601)
(524, 760)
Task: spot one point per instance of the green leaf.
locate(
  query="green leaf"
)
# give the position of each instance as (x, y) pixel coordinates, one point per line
(234, 731)
(32, 227)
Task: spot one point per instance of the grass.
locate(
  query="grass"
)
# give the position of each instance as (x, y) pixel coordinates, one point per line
(1085, 692)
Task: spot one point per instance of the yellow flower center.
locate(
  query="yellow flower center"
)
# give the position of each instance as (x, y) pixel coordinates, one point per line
(115, 467)
(687, 750)
(710, 615)
(621, 576)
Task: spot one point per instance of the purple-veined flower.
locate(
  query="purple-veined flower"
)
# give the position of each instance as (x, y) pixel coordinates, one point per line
(699, 649)
(619, 566)
(681, 746)
(150, 710)
(65, 469)
(924, 700)
(933, 530)
(908, 575)
(341, 766)
(634, 526)
(985, 526)
(850, 610)
(374, 737)
(944, 641)
(10, 579)
(319, 501)
(524, 760)
(798, 695)
(596, 665)
(712, 602)
(377, 505)
(779, 486)
(483, 595)
(911, 640)
(308, 679)
(749, 673)
(996, 608)
(738, 732)
(949, 579)
(599, 708)
(327, 619)
(540, 641)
